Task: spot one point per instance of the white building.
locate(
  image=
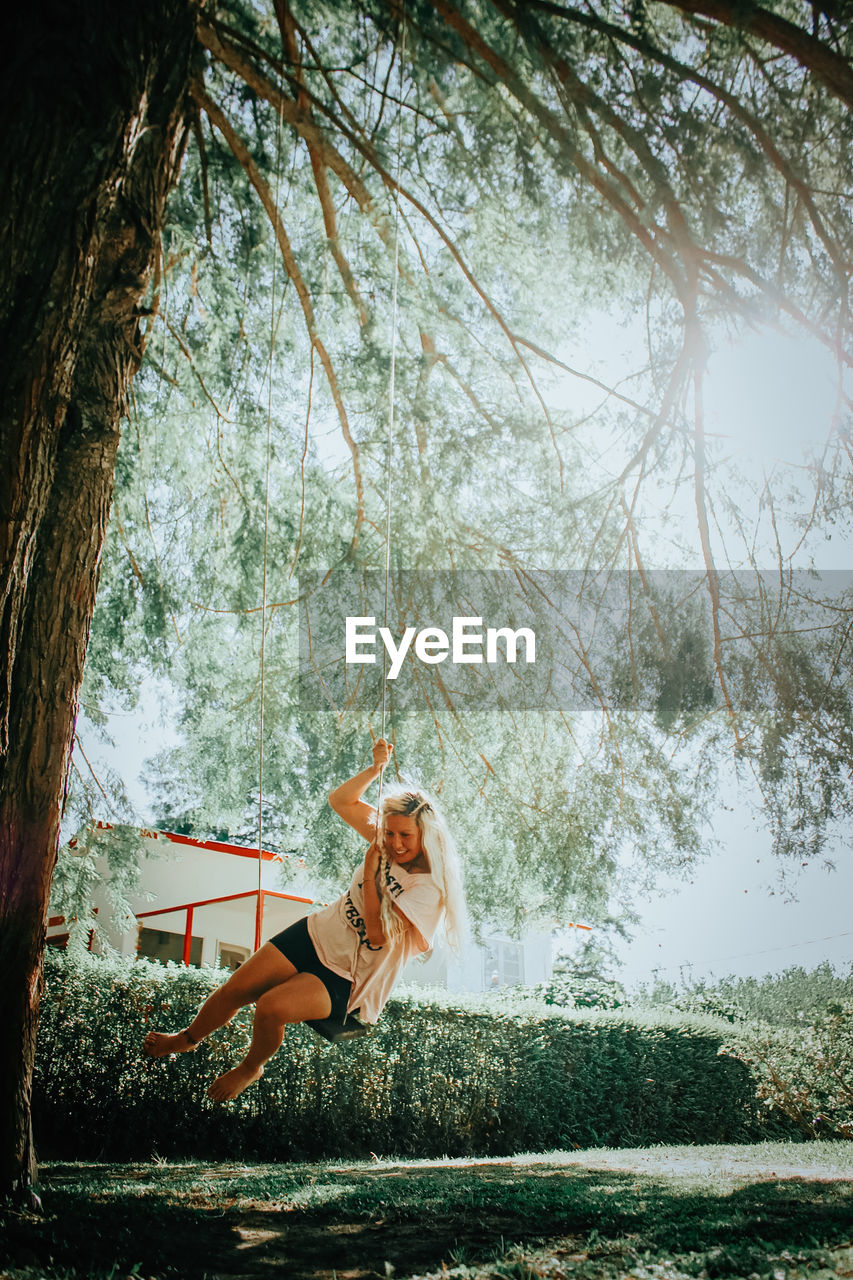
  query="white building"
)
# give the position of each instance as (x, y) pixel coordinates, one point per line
(197, 901)
(208, 902)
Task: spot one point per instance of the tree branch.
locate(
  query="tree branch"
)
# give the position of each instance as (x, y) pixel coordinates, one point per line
(318, 166)
(809, 51)
(291, 266)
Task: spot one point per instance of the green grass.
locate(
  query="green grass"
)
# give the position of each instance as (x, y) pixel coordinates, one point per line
(776, 1210)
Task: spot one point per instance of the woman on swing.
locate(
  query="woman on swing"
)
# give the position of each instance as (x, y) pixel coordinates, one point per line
(347, 956)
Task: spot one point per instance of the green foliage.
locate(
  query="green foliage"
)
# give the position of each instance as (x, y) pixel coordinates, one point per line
(433, 1078)
(807, 1075)
(694, 998)
(76, 874)
(790, 998)
(793, 998)
(578, 991)
(795, 1030)
(584, 981)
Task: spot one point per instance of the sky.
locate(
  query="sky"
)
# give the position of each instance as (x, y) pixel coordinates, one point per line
(734, 915)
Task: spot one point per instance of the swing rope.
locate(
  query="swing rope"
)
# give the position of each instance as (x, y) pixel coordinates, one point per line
(388, 458)
(351, 1027)
(392, 381)
(261, 665)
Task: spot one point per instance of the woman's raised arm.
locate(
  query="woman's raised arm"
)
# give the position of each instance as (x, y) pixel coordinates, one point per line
(346, 799)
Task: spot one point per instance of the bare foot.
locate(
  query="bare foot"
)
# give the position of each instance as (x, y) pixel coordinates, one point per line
(233, 1082)
(157, 1044)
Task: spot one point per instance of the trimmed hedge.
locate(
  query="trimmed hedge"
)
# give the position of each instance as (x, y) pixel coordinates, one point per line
(432, 1079)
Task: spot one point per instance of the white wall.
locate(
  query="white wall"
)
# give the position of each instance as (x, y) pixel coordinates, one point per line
(175, 875)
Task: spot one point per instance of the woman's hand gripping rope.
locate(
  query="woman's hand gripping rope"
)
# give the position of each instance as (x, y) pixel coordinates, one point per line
(382, 750)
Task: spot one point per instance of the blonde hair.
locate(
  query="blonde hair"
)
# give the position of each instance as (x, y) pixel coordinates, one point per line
(440, 849)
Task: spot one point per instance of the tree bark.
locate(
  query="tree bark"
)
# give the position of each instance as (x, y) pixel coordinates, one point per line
(95, 113)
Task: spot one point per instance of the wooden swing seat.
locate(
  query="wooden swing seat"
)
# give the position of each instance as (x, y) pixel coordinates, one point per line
(338, 1032)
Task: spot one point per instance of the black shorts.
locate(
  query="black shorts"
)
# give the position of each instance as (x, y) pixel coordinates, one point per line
(295, 945)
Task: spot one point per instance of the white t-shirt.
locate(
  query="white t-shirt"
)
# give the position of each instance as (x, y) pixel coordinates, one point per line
(340, 939)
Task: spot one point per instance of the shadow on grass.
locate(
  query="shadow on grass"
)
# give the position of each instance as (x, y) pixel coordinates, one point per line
(315, 1222)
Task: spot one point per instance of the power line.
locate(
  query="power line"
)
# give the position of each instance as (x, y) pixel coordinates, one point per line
(746, 955)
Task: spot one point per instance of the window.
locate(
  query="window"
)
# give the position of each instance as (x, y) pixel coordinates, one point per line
(156, 944)
(231, 956)
(503, 964)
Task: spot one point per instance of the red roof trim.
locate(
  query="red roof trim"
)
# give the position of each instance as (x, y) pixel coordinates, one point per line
(216, 846)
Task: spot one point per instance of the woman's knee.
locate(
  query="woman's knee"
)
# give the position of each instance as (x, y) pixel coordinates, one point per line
(301, 997)
(262, 972)
(273, 1004)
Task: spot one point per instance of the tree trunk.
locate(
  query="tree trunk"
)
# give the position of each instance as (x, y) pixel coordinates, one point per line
(94, 112)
